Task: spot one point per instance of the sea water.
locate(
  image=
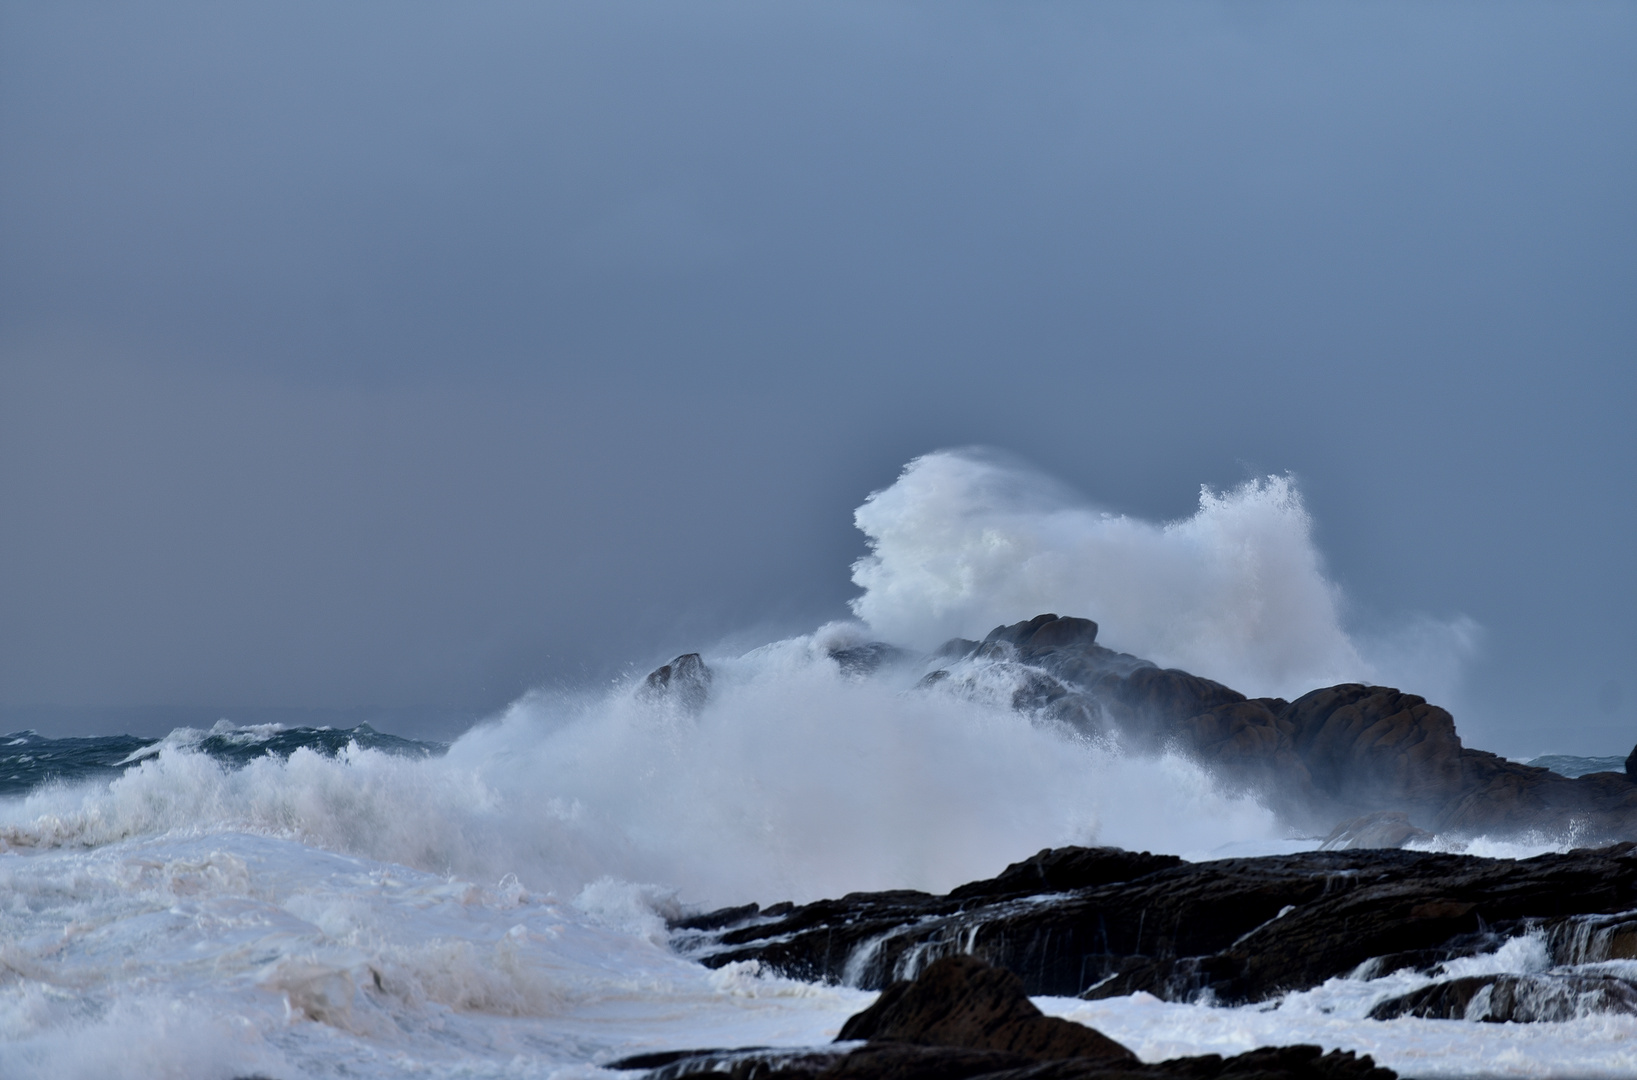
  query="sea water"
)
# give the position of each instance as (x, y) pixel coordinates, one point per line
(497, 908)
(307, 902)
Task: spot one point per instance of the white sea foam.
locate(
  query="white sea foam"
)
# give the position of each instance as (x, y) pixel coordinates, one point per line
(794, 781)
(967, 540)
(233, 954)
(1335, 1017)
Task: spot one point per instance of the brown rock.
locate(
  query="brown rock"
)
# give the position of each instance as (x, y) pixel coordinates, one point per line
(963, 1020)
(962, 1001)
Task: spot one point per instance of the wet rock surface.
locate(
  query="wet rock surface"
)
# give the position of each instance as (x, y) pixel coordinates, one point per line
(1338, 752)
(869, 658)
(1507, 998)
(962, 1001)
(1100, 922)
(1382, 829)
(685, 681)
(962, 1018)
(1334, 754)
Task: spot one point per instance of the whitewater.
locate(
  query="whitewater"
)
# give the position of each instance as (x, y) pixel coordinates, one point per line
(286, 903)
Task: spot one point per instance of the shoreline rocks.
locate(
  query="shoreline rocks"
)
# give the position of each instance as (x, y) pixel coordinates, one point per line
(1100, 922)
(1335, 754)
(963, 1019)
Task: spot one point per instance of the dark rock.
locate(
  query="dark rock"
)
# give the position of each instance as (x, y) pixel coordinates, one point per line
(716, 920)
(685, 681)
(1507, 998)
(962, 1018)
(1631, 764)
(1383, 829)
(1339, 752)
(748, 1063)
(962, 1001)
(1236, 930)
(1335, 754)
(666, 1057)
(1047, 631)
(1592, 939)
(870, 657)
(1055, 870)
(901, 1061)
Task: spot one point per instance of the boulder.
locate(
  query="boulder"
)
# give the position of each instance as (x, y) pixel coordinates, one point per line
(962, 1001)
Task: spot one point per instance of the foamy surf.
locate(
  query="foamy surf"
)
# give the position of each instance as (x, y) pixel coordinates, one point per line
(794, 781)
(235, 954)
(242, 902)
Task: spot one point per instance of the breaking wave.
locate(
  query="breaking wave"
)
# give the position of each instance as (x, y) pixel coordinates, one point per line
(311, 902)
(966, 540)
(794, 780)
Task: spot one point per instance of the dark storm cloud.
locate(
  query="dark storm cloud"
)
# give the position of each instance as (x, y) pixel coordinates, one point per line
(410, 355)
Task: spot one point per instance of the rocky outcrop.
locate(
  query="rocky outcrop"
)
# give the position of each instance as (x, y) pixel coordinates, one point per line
(685, 682)
(869, 658)
(1334, 753)
(1232, 931)
(1382, 829)
(962, 1001)
(1547, 998)
(964, 1019)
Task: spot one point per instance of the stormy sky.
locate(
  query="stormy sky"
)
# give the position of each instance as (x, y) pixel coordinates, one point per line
(401, 357)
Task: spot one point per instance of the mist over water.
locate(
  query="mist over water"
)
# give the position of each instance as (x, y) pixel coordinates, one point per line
(794, 781)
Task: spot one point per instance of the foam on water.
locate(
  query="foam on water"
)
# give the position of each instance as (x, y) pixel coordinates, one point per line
(233, 954)
(300, 904)
(1335, 1016)
(794, 781)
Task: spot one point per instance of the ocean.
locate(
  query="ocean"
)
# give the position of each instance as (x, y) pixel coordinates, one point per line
(319, 903)
(289, 902)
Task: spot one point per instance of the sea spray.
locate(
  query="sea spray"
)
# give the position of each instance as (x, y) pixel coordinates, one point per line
(966, 540)
(326, 906)
(794, 780)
